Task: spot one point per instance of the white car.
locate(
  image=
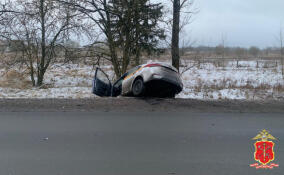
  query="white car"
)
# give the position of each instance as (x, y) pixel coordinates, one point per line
(155, 79)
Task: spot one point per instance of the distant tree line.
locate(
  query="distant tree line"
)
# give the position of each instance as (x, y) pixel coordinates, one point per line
(236, 52)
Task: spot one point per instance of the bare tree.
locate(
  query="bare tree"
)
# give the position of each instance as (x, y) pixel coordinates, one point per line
(281, 39)
(186, 43)
(40, 26)
(223, 44)
(129, 27)
(182, 13)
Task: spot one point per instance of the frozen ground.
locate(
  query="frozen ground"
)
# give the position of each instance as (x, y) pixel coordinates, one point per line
(61, 81)
(247, 80)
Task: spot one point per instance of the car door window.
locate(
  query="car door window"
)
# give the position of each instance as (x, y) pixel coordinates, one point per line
(102, 76)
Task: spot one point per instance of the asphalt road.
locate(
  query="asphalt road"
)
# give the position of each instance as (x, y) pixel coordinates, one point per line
(134, 143)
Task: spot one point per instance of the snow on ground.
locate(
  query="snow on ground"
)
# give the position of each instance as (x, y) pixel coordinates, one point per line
(63, 92)
(61, 81)
(242, 80)
(246, 80)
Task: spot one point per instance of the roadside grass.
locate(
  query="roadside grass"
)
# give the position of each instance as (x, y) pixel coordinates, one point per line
(15, 79)
(233, 84)
(248, 80)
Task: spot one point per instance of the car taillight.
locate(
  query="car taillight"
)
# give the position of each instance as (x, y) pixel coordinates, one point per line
(152, 65)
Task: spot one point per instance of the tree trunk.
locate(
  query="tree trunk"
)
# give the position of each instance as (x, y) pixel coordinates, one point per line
(137, 30)
(41, 68)
(40, 78)
(111, 43)
(175, 34)
(137, 56)
(282, 66)
(32, 72)
(282, 59)
(127, 45)
(113, 57)
(281, 52)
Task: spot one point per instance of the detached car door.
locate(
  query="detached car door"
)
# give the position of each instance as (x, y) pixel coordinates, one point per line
(101, 84)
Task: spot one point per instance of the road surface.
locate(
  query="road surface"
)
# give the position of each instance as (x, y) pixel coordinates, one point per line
(34, 142)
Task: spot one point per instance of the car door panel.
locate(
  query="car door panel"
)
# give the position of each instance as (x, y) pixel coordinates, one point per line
(101, 84)
(117, 87)
(127, 82)
(126, 85)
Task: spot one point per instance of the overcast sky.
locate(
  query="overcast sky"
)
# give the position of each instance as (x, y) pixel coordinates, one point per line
(243, 22)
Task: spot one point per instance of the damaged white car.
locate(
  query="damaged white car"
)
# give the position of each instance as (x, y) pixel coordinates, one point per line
(154, 80)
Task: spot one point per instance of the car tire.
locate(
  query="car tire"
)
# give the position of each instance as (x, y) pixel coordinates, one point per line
(138, 88)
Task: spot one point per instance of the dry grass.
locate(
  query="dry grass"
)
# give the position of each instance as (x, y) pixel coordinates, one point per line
(14, 79)
(72, 73)
(230, 84)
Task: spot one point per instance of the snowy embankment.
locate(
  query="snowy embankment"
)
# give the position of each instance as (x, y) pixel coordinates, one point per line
(233, 80)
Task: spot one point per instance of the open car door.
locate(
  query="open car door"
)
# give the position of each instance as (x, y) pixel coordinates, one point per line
(101, 84)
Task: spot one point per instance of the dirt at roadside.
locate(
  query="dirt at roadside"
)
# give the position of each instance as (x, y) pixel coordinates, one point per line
(139, 104)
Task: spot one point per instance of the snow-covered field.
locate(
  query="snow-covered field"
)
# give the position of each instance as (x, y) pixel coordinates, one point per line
(61, 81)
(243, 80)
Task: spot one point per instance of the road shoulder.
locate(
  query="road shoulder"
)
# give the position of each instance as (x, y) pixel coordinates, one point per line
(138, 105)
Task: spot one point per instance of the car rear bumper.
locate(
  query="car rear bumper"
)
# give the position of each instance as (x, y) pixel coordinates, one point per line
(164, 81)
(161, 88)
(176, 83)
(164, 74)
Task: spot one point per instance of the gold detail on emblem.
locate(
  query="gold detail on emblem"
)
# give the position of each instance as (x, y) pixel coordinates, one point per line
(264, 136)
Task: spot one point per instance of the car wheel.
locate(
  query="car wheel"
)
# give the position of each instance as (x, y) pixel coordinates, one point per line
(138, 88)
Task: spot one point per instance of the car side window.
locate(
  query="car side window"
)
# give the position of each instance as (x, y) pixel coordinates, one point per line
(101, 84)
(103, 77)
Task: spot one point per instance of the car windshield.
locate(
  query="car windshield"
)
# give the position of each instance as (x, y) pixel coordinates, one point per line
(128, 73)
(118, 83)
(133, 70)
